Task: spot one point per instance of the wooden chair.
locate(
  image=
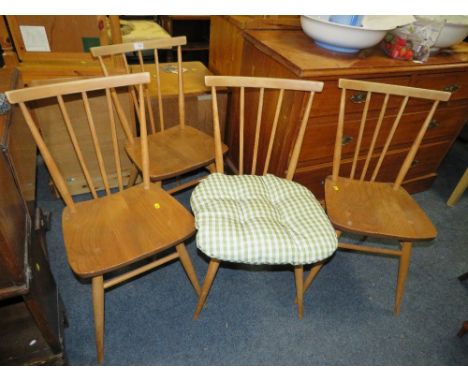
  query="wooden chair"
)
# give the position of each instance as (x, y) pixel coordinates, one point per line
(120, 228)
(459, 189)
(261, 219)
(359, 203)
(172, 151)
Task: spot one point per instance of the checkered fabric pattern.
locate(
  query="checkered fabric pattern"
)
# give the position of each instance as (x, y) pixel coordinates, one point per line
(260, 220)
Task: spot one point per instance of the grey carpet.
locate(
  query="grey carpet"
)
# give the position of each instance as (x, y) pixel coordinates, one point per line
(250, 317)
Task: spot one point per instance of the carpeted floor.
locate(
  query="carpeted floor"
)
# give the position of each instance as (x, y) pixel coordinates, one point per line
(250, 317)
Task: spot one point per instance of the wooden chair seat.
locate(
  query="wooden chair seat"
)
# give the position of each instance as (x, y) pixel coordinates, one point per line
(174, 151)
(97, 235)
(376, 209)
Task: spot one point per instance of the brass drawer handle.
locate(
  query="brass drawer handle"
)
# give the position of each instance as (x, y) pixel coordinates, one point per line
(359, 97)
(452, 88)
(346, 140)
(434, 124)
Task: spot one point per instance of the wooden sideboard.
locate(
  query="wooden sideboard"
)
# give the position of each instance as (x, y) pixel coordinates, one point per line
(31, 312)
(291, 54)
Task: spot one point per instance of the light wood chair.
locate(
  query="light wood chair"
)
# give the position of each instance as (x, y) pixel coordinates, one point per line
(120, 228)
(173, 150)
(254, 219)
(459, 189)
(363, 205)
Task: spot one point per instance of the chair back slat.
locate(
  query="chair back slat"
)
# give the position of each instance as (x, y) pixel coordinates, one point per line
(97, 147)
(144, 139)
(375, 153)
(154, 45)
(300, 138)
(158, 90)
(56, 92)
(257, 130)
(276, 94)
(115, 143)
(54, 171)
(389, 138)
(273, 131)
(374, 136)
(217, 132)
(180, 77)
(415, 146)
(339, 136)
(360, 134)
(241, 130)
(76, 146)
(147, 93)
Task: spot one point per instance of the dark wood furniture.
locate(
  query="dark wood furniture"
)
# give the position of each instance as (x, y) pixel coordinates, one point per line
(31, 313)
(289, 53)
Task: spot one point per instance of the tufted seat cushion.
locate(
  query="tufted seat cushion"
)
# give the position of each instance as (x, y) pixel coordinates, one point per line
(260, 220)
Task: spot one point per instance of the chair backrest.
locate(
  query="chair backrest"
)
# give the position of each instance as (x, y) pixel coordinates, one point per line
(367, 89)
(120, 50)
(57, 93)
(277, 85)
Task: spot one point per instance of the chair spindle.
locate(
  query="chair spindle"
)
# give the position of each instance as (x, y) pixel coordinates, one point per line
(360, 134)
(273, 130)
(115, 143)
(159, 95)
(257, 130)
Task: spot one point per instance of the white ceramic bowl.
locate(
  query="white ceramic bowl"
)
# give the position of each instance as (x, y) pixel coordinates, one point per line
(340, 37)
(451, 34)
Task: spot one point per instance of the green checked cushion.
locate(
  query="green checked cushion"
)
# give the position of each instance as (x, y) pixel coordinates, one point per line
(260, 220)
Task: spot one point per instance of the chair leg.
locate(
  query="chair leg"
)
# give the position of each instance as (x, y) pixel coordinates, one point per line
(459, 189)
(133, 176)
(210, 275)
(312, 273)
(311, 277)
(299, 278)
(402, 273)
(98, 307)
(463, 330)
(188, 266)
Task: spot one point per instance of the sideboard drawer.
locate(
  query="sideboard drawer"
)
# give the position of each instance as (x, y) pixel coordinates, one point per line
(426, 162)
(453, 82)
(328, 102)
(319, 139)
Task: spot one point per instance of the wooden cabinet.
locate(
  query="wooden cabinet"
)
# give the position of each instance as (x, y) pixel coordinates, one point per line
(31, 313)
(291, 54)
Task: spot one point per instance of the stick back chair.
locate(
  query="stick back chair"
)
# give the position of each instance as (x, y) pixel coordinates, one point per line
(108, 233)
(357, 202)
(173, 150)
(261, 219)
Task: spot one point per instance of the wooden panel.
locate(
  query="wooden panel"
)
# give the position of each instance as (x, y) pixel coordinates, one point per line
(13, 230)
(56, 137)
(65, 35)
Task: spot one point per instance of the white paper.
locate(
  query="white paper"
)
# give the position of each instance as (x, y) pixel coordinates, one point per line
(34, 38)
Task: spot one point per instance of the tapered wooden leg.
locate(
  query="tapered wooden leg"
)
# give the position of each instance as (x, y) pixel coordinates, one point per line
(459, 189)
(133, 176)
(98, 306)
(299, 278)
(312, 273)
(311, 276)
(188, 266)
(402, 273)
(463, 330)
(210, 275)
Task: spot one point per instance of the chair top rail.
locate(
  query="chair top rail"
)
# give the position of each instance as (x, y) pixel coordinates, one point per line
(264, 82)
(73, 87)
(160, 43)
(374, 87)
